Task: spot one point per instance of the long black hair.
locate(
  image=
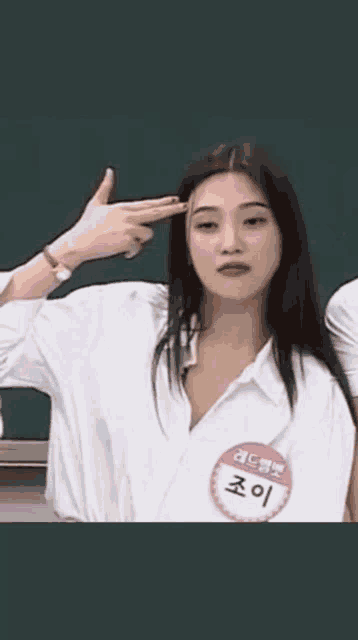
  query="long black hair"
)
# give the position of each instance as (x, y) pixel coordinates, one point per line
(294, 315)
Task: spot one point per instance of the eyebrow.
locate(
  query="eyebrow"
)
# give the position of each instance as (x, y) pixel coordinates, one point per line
(242, 206)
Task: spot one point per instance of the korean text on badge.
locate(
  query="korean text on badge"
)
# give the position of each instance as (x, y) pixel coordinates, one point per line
(251, 482)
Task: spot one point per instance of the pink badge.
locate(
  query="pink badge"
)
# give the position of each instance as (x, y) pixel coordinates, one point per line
(251, 482)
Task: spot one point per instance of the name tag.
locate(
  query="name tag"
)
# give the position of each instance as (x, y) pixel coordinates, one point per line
(251, 482)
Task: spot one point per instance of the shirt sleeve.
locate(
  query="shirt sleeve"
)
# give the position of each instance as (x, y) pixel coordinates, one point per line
(15, 320)
(335, 478)
(320, 452)
(37, 332)
(41, 340)
(341, 319)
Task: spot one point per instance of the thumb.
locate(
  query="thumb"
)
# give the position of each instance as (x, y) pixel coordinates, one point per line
(103, 192)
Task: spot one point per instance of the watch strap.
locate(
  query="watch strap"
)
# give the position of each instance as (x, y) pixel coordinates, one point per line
(61, 272)
(49, 258)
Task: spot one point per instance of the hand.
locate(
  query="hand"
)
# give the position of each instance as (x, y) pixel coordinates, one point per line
(108, 229)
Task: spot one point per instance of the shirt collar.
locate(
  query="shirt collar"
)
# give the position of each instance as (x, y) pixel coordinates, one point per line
(263, 371)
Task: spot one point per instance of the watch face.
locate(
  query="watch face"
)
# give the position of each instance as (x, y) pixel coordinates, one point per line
(63, 275)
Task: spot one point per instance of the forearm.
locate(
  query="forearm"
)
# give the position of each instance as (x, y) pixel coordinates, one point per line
(35, 279)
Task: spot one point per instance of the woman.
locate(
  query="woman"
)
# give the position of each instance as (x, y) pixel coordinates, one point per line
(232, 335)
(342, 321)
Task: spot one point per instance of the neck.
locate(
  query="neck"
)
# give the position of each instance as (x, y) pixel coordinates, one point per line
(236, 324)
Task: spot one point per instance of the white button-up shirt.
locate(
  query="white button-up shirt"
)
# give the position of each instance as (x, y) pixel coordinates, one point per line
(109, 460)
(341, 320)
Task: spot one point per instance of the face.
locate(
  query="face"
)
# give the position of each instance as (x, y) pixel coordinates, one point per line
(229, 220)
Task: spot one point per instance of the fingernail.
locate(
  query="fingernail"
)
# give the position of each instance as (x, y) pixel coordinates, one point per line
(133, 252)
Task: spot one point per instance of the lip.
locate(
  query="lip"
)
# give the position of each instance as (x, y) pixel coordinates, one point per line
(234, 265)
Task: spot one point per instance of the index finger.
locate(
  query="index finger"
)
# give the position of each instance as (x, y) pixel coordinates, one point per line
(155, 214)
(155, 202)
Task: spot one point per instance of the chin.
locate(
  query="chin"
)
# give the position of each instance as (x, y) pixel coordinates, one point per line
(232, 290)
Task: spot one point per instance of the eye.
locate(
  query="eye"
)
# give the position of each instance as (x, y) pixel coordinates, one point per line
(250, 221)
(205, 224)
(255, 220)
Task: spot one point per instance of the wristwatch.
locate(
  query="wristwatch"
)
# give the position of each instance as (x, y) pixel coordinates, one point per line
(60, 271)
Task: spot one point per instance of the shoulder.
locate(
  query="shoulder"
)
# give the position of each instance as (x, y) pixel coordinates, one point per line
(321, 393)
(315, 377)
(316, 373)
(112, 304)
(135, 297)
(115, 294)
(343, 300)
(120, 308)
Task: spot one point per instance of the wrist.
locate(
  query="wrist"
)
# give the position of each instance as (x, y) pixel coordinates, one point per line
(63, 250)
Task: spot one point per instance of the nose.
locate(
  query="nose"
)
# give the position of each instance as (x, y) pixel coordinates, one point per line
(230, 240)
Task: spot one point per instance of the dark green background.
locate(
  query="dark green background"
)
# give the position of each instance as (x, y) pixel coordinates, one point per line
(49, 165)
(142, 85)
